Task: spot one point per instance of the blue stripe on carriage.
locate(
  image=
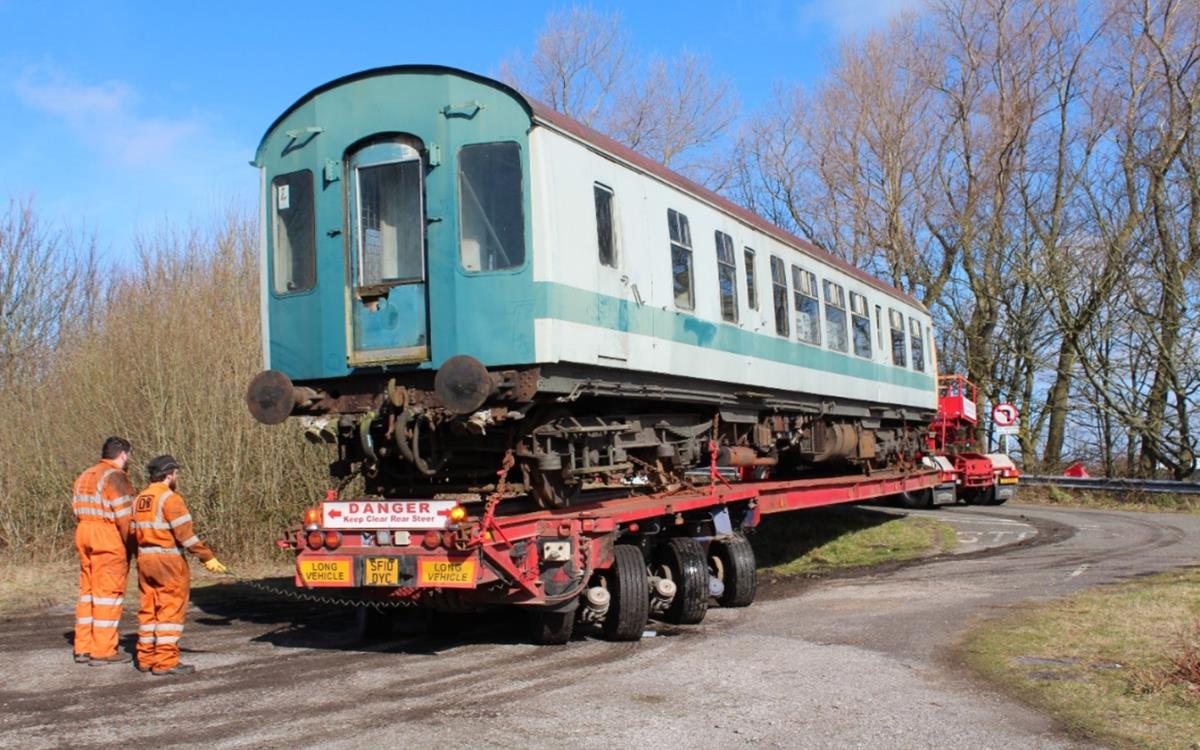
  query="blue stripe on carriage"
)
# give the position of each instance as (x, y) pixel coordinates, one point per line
(561, 302)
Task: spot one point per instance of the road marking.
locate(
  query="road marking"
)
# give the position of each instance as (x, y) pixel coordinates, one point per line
(1079, 571)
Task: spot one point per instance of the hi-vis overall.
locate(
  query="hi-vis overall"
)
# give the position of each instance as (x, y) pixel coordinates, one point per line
(102, 509)
(163, 527)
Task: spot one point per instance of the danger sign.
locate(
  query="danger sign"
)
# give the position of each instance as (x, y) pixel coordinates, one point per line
(1005, 415)
(387, 514)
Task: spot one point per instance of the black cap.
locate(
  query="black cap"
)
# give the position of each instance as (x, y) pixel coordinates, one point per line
(160, 466)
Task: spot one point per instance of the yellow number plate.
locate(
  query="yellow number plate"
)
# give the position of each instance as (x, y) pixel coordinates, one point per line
(443, 573)
(381, 571)
(1008, 480)
(327, 571)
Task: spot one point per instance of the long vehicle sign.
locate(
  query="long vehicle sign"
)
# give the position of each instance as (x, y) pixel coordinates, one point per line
(387, 514)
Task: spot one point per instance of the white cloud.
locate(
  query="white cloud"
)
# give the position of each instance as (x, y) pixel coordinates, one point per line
(106, 117)
(852, 17)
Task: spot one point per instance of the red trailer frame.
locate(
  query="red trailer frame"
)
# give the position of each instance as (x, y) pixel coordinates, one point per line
(546, 559)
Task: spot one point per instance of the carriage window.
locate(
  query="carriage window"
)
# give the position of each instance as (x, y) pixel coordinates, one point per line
(860, 324)
(681, 259)
(491, 214)
(605, 231)
(727, 277)
(918, 346)
(780, 291)
(293, 233)
(899, 357)
(751, 282)
(808, 307)
(879, 326)
(391, 223)
(835, 316)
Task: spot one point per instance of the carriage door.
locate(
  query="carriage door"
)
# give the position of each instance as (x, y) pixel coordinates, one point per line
(387, 318)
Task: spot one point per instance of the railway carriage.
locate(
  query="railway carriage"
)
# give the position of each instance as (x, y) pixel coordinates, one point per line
(453, 273)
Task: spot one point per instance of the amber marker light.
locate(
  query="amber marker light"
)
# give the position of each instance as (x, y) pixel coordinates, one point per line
(312, 518)
(315, 539)
(457, 514)
(333, 539)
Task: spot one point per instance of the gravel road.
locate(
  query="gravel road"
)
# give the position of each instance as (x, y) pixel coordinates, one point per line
(864, 661)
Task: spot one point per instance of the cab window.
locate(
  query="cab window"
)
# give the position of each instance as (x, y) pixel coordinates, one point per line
(491, 213)
(293, 233)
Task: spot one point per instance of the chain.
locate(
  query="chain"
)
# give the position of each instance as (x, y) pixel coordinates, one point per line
(305, 595)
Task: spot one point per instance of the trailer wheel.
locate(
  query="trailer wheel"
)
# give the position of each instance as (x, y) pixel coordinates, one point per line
(919, 500)
(732, 561)
(552, 626)
(629, 588)
(990, 497)
(372, 624)
(682, 560)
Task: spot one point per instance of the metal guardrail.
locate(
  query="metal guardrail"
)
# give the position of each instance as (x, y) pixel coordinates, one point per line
(1160, 486)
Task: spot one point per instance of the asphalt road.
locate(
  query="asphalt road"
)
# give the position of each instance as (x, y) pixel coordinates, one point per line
(864, 661)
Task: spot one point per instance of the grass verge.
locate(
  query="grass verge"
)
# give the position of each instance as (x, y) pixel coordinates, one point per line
(1139, 501)
(826, 539)
(1120, 663)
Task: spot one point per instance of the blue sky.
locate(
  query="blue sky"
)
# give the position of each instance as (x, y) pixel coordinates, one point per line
(120, 116)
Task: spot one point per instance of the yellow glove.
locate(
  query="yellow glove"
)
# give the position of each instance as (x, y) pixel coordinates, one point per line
(214, 566)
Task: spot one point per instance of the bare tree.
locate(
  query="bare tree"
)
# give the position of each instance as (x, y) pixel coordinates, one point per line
(674, 110)
(48, 287)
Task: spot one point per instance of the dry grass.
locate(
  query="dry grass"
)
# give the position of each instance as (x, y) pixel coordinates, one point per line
(1137, 501)
(165, 363)
(1118, 662)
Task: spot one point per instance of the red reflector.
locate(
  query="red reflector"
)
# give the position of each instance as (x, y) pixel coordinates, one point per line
(333, 539)
(315, 539)
(432, 539)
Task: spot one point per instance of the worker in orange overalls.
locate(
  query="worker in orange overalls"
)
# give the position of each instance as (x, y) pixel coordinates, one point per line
(101, 503)
(163, 527)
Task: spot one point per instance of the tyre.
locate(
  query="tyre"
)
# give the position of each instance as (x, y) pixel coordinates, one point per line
(919, 500)
(991, 497)
(682, 560)
(372, 624)
(629, 588)
(552, 627)
(732, 562)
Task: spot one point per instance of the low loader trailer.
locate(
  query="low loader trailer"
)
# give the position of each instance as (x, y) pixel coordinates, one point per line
(612, 563)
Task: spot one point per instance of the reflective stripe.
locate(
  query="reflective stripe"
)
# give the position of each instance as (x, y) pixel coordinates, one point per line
(181, 520)
(150, 525)
(170, 626)
(83, 620)
(122, 500)
(162, 501)
(90, 512)
(85, 598)
(159, 551)
(166, 639)
(122, 513)
(191, 541)
(109, 601)
(105, 623)
(146, 639)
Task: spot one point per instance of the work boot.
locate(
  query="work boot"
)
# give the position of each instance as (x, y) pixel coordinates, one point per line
(100, 661)
(139, 667)
(178, 669)
(82, 658)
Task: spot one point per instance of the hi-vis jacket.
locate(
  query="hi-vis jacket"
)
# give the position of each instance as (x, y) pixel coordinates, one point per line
(163, 524)
(102, 493)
